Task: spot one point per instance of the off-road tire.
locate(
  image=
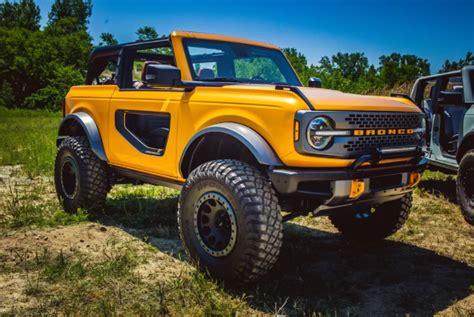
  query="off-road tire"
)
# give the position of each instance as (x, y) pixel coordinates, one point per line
(257, 213)
(464, 184)
(385, 220)
(92, 184)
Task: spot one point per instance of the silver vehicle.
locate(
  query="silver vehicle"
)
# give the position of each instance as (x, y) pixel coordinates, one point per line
(448, 102)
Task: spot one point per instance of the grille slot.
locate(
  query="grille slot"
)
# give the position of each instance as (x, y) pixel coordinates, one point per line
(383, 121)
(378, 141)
(390, 181)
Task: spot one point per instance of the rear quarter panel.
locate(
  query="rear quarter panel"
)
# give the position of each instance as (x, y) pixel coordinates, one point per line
(95, 101)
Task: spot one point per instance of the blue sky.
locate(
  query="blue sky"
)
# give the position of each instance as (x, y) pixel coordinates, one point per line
(432, 29)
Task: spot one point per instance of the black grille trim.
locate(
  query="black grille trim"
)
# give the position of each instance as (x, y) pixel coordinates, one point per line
(386, 141)
(384, 120)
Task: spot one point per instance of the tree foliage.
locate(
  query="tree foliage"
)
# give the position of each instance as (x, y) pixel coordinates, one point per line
(455, 65)
(38, 67)
(299, 63)
(351, 65)
(396, 69)
(81, 10)
(351, 72)
(23, 14)
(146, 33)
(107, 39)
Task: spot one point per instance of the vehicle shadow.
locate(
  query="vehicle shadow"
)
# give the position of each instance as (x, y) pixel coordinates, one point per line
(319, 271)
(441, 188)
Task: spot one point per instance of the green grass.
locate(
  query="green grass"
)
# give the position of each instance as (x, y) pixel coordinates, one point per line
(28, 138)
(34, 206)
(65, 284)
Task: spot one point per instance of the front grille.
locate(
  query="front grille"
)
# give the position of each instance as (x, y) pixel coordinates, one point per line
(365, 131)
(384, 120)
(378, 141)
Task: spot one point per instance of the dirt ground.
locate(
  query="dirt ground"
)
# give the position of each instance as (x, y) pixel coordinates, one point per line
(426, 268)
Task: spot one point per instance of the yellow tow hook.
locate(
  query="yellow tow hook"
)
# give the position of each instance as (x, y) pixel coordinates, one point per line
(415, 178)
(357, 188)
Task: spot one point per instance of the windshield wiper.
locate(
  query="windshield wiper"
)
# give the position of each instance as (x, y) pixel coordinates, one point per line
(223, 79)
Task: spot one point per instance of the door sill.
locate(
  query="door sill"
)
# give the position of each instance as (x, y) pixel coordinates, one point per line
(148, 178)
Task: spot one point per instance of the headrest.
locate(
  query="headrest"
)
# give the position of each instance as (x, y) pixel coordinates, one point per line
(206, 73)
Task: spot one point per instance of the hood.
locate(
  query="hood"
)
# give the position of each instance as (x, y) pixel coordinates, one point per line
(325, 99)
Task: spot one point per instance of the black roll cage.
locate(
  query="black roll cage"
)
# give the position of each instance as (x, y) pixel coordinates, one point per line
(121, 55)
(124, 54)
(440, 80)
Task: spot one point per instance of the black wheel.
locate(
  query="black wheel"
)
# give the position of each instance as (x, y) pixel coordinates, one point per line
(465, 186)
(374, 223)
(81, 178)
(230, 221)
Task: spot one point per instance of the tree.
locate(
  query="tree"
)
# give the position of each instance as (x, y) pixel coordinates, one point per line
(107, 39)
(297, 60)
(38, 77)
(58, 83)
(351, 65)
(80, 10)
(396, 69)
(146, 33)
(24, 14)
(453, 65)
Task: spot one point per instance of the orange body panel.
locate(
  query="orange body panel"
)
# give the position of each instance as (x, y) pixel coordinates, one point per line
(269, 112)
(95, 101)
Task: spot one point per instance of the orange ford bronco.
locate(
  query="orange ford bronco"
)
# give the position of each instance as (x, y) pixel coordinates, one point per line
(228, 122)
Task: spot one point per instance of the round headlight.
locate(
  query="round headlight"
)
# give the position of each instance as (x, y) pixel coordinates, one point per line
(318, 140)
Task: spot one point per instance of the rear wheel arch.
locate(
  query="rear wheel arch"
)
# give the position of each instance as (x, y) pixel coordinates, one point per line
(82, 124)
(467, 144)
(227, 141)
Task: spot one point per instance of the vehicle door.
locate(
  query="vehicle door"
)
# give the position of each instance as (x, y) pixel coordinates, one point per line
(451, 109)
(143, 120)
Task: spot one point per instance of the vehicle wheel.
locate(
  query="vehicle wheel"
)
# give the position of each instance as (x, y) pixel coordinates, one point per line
(465, 186)
(230, 221)
(374, 224)
(81, 178)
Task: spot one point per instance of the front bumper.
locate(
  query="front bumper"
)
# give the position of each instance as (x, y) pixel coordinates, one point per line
(331, 187)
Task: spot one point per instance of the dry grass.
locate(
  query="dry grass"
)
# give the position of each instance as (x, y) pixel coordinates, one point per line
(128, 259)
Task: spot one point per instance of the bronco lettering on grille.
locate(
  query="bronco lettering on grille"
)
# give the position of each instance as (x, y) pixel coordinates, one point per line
(383, 132)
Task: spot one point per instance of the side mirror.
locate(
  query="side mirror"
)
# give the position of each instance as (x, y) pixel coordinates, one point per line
(314, 82)
(161, 75)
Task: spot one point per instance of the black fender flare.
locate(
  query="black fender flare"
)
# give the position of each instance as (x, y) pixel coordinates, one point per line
(465, 145)
(90, 129)
(253, 141)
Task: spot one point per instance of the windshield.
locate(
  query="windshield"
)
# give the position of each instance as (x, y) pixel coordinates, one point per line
(234, 62)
